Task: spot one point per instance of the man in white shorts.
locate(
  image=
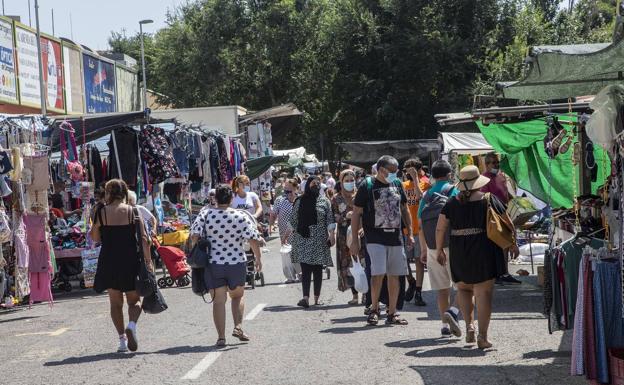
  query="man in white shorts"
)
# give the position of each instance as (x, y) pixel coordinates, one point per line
(439, 276)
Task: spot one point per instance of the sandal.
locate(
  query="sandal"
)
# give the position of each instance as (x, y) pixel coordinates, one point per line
(240, 334)
(221, 342)
(373, 317)
(470, 335)
(353, 302)
(395, 319)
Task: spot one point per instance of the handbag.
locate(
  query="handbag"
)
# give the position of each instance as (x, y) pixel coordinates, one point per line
(199, 256)
(499, 228)
(145, 281)
(154, 303)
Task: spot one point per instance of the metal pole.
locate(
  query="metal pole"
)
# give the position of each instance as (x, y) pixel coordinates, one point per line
(53, 34)
(43, 91)
(29, 16)
(71, 26)
(143, 67)
(3, 7)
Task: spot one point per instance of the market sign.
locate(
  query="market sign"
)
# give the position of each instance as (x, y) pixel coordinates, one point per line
(27, 66)
(99, 80)
(74, 82)
(8, 80)
(53, 74)
(127, 90)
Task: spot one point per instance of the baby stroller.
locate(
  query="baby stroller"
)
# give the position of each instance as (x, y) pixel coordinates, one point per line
(174, 262)
(68, 270)
(252, 275)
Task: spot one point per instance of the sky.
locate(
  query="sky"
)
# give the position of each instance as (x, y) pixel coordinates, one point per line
(93, 20)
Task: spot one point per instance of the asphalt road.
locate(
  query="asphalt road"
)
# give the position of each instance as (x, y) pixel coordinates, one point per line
(74, 342)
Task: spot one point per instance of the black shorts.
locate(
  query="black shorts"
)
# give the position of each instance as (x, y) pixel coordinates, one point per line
(231, 276)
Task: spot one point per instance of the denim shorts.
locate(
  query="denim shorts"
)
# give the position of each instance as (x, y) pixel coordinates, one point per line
(231, 276)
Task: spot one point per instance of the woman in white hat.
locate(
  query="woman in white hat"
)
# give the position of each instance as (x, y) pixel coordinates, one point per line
(475, 260)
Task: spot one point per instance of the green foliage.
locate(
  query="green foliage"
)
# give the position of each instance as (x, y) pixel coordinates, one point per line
(360, 69)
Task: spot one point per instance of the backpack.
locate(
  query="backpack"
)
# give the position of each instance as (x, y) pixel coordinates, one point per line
(433, 204)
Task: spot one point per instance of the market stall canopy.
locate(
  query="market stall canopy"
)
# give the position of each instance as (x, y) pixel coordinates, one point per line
(526, 161)
(282, 118)
(465, 143)
(258, 166)
(561, 72)
(296, 156)
(364, 154)
(96, 126)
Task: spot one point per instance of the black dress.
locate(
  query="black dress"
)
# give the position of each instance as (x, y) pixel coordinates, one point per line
(473, 257)
(118, 264)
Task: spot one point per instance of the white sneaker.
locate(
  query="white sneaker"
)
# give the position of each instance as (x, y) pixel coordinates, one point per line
(123, 345)
(133, 342)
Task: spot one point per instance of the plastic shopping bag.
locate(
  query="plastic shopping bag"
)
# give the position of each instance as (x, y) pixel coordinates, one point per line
(289, 268)
(359, 277)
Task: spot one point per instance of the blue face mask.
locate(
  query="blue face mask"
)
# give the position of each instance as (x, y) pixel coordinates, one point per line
(392, 176)
(247, 189)
(349, 186)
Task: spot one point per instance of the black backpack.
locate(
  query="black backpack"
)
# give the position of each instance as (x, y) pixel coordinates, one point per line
(433, 204)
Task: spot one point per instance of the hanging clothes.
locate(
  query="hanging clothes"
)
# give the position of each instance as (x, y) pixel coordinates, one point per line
(37, 241)
(156, 152)
(207, 171)
(215, 162)
(124, 145)
(94, 166)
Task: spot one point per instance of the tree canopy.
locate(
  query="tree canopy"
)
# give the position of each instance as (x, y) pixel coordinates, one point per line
(360, 69)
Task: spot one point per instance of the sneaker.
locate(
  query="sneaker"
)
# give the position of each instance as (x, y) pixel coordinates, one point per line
(123, 345)
(446, 332)
(411, 290)
(303, 303)
(133, 342)
(418, 301)
(450, 318)
(511, 280)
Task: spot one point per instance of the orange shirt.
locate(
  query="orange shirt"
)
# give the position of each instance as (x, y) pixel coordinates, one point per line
(412, 203)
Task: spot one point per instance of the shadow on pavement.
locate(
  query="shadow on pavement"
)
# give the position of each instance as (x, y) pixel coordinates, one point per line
(349, 320)
(124, 356)
(350, 329)
(19, 319)
(283, 308)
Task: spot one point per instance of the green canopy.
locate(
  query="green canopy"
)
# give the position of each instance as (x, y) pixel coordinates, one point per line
(550, 180)
(258, 166)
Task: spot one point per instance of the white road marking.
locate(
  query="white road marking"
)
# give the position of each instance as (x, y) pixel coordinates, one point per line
(282, 285)
(55, 333)
(256, 310)
(201, 367)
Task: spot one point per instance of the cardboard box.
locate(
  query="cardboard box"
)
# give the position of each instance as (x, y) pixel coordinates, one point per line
(540, 276)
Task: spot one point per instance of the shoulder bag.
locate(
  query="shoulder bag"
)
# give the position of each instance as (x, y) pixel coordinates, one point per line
(145, 282)
(499, 229)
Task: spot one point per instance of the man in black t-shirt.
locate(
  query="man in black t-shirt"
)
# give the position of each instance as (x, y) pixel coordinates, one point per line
(380, 208)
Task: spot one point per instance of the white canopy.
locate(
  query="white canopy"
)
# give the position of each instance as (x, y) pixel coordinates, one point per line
(464, 143)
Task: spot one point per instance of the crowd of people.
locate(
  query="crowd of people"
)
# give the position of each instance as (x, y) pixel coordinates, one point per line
(386, 221)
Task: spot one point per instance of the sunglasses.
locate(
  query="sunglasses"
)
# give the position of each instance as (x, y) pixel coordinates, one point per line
(287, 192)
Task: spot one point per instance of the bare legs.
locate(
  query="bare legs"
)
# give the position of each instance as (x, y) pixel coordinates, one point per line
(376, 283)
(466, 305)
(219, 297)
(444, 300)
(393, 293)
(482, 293)
(134, 305)
(420, 273)
(116, 300)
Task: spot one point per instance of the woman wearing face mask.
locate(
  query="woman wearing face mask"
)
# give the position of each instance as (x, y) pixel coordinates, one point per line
(342, 206)
(314, 229)
(244, 198)
(282, 210)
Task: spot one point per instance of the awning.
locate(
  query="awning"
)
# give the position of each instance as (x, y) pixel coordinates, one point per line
(561, 72)
(283, 119)
(258, 166)
(465, 143)
(364, 154)
(96, 125)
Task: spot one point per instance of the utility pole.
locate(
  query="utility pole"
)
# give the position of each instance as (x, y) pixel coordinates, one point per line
(29, 16)
(43, 91)
(53, 34)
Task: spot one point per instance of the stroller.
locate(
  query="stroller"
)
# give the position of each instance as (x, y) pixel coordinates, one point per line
(174, 262)
(252, 275)
(68, 270)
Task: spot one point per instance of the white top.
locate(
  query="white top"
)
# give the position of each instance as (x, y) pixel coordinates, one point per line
(226, 230)
(248, 203)
(145, 214)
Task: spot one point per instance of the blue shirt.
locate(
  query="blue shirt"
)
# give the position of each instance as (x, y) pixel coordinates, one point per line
(436, 188)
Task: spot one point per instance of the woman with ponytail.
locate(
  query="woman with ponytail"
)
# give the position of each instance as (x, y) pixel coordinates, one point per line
(244, 198)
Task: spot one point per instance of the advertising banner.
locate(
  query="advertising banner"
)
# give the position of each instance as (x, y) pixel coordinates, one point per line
(53, 74)
(127, 90)
(8, 77)
(28, 67)
(99, 80)
(74, 81)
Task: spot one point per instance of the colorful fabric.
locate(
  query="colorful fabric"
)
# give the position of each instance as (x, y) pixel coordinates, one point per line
(156, 152)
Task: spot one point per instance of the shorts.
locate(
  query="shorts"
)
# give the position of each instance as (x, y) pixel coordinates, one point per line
(388, 260)
(439, 276)
(231, 276)
(412, 254)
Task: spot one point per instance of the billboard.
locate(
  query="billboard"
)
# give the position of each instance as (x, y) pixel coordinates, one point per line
(74, 81)
(27, 66)
(127, 90)
(8, 77)
(99, 80)
(53, 74)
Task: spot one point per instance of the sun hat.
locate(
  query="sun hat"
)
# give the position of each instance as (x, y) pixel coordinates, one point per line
(471, 179)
